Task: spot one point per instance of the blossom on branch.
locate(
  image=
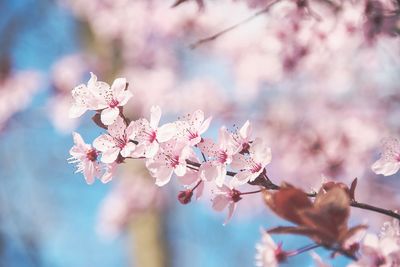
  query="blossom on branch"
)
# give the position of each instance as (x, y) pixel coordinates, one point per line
(85, 156)
(118, 141)
(99, 95)
(389, 163)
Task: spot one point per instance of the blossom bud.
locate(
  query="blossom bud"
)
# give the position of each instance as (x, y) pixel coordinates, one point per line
(185, 196)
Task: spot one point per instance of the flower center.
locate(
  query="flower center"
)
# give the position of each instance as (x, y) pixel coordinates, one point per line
(235, 195)
(152, 136)
(173, 161)
(121, 143)
(192, 135)
(256, 167)
(92, 154)
(222, 156)
(113, 103)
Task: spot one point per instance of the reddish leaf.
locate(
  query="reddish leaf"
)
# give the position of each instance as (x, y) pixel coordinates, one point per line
(353, 189)
(287, 202)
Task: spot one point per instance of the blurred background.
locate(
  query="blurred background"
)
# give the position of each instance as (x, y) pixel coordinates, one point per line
(319, 80)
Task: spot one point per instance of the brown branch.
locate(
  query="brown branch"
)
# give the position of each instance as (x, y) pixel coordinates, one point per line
(264, 181)
(234, 26)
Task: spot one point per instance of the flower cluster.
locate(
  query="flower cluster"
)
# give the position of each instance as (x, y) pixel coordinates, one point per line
(180, 149)
(168, 149)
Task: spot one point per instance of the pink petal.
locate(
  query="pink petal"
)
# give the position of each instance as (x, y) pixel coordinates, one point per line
(197, 118)
(109, 115)
(204, 126)
(151, 150)
(163, 176)
(128, 149)
(180, 169)
(124, 97)
(110, 155)
(76, 111)
(199, 190)
(189, 178)
(117, 129)
(103, 142)
(231, 209)
(166, 132)
(245, 131)
(118, 86)
(219, 181)
(208, 171)
(220, 202)
(240, 178)
(385, 168)
(89, 172)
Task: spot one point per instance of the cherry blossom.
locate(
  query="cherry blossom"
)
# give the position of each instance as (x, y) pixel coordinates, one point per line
(389, 163)
(170, 159)
(376, 252)
(253, 164)
(242, 137)
(99, 95)
(221, 155)
(193, 127)
(85, 156)
(150, 135)
(226, 197)
(117, 141)
(268, 253)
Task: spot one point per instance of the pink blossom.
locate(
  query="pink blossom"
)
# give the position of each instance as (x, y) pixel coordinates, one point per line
(268, 253)
(242, 137)
(110, 172)
(193, 127)
(378, 252)
(85, 157)
(253, 164)
(170, 159)
(150, 135)
(389, 163)
(117, 141)
(100, 96)
(226, 197)
(221, 155)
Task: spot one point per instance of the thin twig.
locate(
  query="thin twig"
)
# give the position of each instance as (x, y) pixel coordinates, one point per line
(234, 26)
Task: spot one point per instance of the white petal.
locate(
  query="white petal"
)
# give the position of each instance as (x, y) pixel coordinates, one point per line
(76, 111)
(118, 86)
(124, 97)
(128, 149)
(110, 155)
(78, 140)
(219, 181)
(163, 176)
(103, 142)
(385, 168)
(205, 125)
(245, 131)
(109, 115)
(220, 202)
(208, 171)
(117, 129)
(240, 178)
(231, 209)
(166, 132)
(197, 118)
(180, 169)
(151, 150)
